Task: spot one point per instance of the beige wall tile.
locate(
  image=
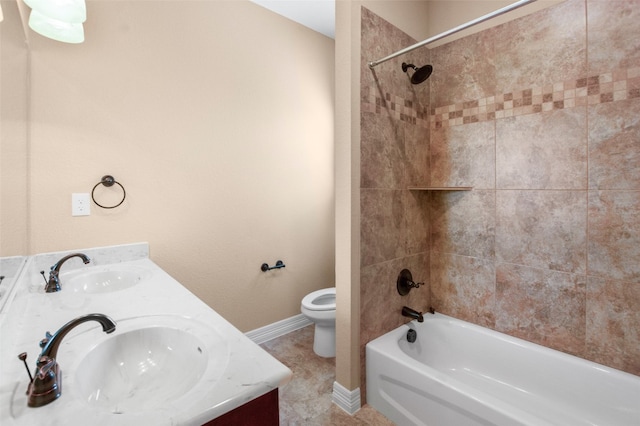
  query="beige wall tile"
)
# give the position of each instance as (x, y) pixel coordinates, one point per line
(382, 225)
(614, 151)
(463, 287)
(614, 234)
(614, 34)
(541, 49)
(464, 223)
(613, 323)
(542, 229)
(464, 156)
(462, 71)
(542, 151)
(416, 150)
(381, 152)
(541, 306)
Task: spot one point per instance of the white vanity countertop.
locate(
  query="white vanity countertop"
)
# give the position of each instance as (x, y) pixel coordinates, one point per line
(10, 267)
(249, 372)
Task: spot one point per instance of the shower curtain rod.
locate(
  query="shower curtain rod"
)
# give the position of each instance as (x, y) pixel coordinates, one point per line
(471, 23)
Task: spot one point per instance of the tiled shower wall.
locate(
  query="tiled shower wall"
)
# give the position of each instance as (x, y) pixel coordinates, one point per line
(394, 154)
(540, 115)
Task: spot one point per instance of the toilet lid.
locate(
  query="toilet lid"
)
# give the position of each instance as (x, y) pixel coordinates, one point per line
(321, 300)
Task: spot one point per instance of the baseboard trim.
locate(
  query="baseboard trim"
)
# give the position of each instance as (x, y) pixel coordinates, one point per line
(348, 400)
(279, 328)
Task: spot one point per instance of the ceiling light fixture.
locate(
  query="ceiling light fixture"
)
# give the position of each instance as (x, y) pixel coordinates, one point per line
(59, 20)
(72, 11)
(65, 32)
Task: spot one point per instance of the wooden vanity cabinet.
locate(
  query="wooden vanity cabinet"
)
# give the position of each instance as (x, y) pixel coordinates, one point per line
(262, 411)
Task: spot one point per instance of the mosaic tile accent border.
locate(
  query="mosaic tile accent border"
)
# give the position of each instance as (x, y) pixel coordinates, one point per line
(617, 85)
(401, 109)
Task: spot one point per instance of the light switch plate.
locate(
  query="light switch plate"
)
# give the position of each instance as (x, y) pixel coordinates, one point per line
(80, 204)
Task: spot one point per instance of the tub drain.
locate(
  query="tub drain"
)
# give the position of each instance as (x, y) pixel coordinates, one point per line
(411, 336)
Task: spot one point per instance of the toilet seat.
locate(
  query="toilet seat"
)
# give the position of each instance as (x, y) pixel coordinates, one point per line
(320, 300)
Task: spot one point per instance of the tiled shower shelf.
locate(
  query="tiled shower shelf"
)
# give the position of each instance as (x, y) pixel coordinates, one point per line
(440, 188)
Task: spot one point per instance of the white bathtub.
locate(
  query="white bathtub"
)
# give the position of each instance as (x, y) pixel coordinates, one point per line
(458, 374)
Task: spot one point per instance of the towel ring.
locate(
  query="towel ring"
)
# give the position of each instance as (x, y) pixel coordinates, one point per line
(108, 181)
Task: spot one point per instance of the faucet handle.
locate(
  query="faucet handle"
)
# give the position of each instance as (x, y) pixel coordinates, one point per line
(23, 357)
(45, 365)
(405, 282)
(47, 337)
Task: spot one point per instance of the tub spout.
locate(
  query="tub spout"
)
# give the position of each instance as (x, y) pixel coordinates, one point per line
(411, 313)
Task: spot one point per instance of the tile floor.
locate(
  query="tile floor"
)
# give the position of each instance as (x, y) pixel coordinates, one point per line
(306, 400)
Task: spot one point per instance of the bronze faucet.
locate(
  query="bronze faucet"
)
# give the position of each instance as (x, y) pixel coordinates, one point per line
(53, 284)
(45, 386)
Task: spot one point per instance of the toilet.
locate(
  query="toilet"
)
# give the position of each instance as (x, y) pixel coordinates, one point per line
(320, 307)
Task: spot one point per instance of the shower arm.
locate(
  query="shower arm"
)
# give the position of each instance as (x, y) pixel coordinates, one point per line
(471, 23)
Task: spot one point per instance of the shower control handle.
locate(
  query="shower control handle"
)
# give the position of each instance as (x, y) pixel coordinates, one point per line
(405, 282)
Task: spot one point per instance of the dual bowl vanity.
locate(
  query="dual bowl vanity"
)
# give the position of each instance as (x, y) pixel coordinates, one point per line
(171, 360)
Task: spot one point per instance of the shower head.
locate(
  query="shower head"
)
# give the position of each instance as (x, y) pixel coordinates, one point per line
(419, 74)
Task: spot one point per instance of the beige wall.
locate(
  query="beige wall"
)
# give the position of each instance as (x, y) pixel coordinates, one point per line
(217, 117)
(347, 175)
(411, 16)
(13, 135)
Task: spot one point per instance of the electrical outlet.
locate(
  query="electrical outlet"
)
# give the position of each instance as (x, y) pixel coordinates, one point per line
(80, 204)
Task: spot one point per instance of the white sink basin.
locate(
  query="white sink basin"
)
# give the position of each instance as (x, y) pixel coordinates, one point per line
(103, 279)
(149, 363)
